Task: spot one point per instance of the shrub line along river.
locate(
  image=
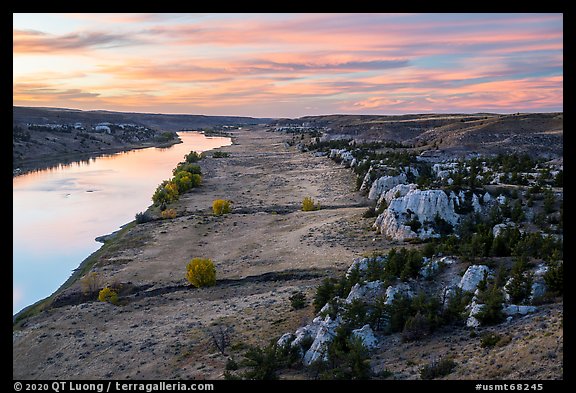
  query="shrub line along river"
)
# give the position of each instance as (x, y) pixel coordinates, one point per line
(58, 212)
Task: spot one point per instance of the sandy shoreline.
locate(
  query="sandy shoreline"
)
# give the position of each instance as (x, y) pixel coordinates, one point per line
(264, 250)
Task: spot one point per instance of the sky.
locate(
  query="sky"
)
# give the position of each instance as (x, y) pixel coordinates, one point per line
(290, 65)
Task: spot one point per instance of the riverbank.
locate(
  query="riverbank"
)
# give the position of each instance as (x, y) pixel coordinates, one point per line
(22, 167)
(264, 250)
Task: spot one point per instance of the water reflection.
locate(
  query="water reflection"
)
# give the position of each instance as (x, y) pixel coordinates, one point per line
(57, 212)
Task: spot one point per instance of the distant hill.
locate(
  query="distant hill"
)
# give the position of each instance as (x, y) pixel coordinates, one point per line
(43, 137)
(162, 122)
(533, 133)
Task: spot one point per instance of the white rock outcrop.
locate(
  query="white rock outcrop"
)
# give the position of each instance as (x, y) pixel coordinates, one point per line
(368, 292)
(425, 205)
(499, 228)
(538, 284)
(444, 169)
(359, 263)
(513, 309)
(432, 266)
(476, 203)
(385, 183)
(344, 155)
(397, 191)
(305, 332)
(324, 336)
(475, 309)
(393, 290)
(285, 339)
(472, 277)
(366, 334)
(391, 226)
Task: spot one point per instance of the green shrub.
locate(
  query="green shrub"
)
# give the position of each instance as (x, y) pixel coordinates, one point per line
(187, 167)
(298, 300)
(262, 363)
(220, 154)
(520, 284)
(370, 212)
(348, 359)
(201, 272)
(491, 312)
(231, 364)
(185, 181)
(143, 217)
(354, 314)
(437, 369)
(455, 310)
(192, 157)
(489, 339)
(324, 293)
(416, 328)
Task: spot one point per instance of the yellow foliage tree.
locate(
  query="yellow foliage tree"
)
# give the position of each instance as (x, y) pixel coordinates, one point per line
(168, 213)
(220, 207)
(108, 295)
(201, 272)
(308, 204)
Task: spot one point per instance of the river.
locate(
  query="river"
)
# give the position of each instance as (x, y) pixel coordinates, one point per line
(58, 212)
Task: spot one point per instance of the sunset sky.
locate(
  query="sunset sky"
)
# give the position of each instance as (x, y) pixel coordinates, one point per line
(290, 65)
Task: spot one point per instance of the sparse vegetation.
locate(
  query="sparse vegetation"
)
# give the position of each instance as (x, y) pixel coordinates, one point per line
(437, 368)
(493, 339)
(91, 283)
(220, 337)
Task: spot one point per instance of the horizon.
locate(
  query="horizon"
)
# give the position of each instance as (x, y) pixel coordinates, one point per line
(290, 65)
(294, 118)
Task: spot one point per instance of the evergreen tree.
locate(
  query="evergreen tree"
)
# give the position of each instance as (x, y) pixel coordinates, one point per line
(520, 284)
(492, 299)
(554, 277)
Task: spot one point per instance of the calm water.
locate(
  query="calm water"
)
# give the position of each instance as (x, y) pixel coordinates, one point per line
(58, 212)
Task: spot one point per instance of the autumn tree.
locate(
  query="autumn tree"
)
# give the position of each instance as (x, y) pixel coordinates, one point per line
(220, 207)
(166, 192)
(108, 295)
(201, 272)
(309, 205)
